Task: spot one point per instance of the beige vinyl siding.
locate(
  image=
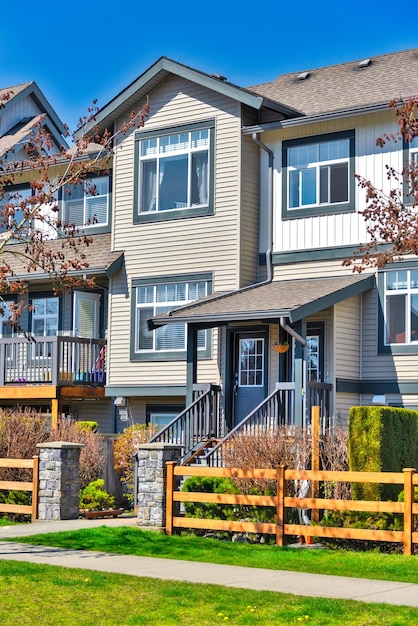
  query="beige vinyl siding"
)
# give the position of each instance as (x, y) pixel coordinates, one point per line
(342, 229)
(249, 215)
(347, 332)
(179, 246)
(312, 269)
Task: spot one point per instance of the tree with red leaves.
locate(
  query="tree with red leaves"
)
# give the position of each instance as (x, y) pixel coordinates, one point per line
(42, 239)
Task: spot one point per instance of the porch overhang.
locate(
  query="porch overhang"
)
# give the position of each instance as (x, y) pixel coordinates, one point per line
(292, 299)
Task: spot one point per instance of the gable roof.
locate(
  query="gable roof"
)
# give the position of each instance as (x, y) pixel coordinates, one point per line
(12, 136)
(127, 100)
(357, 85)
(294, 299)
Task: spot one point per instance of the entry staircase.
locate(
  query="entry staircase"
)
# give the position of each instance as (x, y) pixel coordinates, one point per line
(200, 430)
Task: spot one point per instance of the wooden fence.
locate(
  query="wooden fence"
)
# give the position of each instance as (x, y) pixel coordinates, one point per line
(408, 509)
(33, 487)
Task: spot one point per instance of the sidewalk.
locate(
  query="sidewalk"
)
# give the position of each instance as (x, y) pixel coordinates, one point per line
(315, 585)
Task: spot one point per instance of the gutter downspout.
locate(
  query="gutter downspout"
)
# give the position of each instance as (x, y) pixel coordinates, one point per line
(289, 329)
(269, 262)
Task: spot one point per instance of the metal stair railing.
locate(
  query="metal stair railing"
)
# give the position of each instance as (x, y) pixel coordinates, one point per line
(198, 422)
(275, 410)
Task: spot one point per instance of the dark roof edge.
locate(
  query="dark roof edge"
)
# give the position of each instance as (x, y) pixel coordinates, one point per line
(312, 119)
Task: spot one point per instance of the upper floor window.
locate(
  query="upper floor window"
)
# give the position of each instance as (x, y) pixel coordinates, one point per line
(401, 307)
(318, 175)
(87, 203)
(12, 207)
(175, 173)
(154, 298)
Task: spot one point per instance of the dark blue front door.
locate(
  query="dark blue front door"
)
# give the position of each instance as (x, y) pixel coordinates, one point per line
(250, 372)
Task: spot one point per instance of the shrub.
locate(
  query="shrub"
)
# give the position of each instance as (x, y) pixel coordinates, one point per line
(381, 439)
(95, 497)
(124, 449)
(88, 426)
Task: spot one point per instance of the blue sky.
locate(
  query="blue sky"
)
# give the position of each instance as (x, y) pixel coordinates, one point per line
(78, 51)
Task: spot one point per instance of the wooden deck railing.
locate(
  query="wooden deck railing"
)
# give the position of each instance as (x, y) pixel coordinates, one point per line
(408, 509)
(57, 360)
(33, 486)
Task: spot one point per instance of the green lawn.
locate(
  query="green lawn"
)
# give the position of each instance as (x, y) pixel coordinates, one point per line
(132, 540)
(55, 596)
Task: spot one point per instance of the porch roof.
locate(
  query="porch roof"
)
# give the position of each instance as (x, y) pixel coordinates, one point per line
(102, 261)
(293, 299)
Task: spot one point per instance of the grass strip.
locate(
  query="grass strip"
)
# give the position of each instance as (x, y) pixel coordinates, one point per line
(134, 541)
(44, 594)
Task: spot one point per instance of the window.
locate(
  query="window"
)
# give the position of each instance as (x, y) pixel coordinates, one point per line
(317, 175)
(150, 299)
(87, 204)
(44, 317)
(401, 307)
(175, 173)
(17, 197)
(7, 328)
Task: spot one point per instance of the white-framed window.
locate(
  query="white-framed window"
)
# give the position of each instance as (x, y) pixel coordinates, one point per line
(87, 203)
(12, 205)
(251, 362)
(318, 174)
(174, 171)
(45, 313)
(401, 306)
(151, 300)
(7, 329)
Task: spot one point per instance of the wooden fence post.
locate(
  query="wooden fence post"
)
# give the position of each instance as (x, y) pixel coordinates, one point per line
(408, 502)
(315, 457)
(280, 508)
(170, 465)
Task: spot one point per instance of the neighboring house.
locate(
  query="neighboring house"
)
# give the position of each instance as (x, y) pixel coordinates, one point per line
(63, 369)
(225, 188)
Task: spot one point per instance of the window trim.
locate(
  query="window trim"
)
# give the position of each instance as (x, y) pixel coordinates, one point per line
(393, 348)
(166, 355)
(319, 209)
(91, 229)
(174, 214)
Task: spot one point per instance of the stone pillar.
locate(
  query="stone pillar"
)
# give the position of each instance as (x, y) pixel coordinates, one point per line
(150, 482)
(59, 480)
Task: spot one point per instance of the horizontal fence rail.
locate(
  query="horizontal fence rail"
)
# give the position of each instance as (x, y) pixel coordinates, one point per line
(20, 485)
(57, 359)
(408, 479)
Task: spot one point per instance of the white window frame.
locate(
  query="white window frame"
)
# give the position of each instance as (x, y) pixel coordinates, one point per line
(316, 165)
(149, 303)
(403, 286)
(163, 147)
(87, 198)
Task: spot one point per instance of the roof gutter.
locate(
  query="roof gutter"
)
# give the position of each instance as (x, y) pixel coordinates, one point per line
(312, 119)
(289, 329)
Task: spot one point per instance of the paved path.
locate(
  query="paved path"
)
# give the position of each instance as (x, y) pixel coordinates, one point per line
(298, 583)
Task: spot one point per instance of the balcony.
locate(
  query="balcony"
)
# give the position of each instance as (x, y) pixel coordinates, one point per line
(59, 361)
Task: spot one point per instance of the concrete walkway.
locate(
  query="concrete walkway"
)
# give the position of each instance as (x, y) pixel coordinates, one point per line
(316, 585)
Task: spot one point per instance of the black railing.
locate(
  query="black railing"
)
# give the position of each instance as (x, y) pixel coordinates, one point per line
(57, 360)
(319, 394)
(274, 411)
(198, 422)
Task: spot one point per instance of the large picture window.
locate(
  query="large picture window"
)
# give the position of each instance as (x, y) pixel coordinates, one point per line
(317, 174)
(151, 299)
(401, 307)
(87, 203)
(175, 171)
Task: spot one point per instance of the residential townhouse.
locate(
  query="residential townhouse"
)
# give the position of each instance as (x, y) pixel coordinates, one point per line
(54, 361)
(233, 210)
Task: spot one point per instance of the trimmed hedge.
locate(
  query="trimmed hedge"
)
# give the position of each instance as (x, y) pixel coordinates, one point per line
(381, 439)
